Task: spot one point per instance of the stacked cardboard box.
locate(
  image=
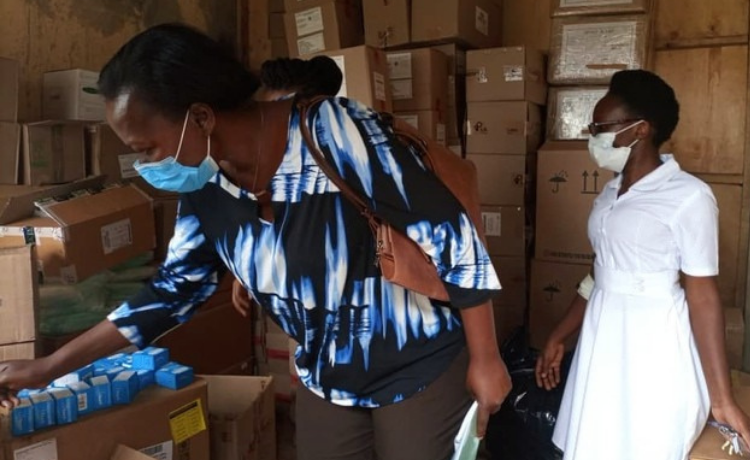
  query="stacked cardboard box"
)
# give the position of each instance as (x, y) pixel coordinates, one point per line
(274, 354)
(315, 26)
(419, 87)
(19, 297)
(504, 90)
(277, 29)
(456, 105)
(10, 131)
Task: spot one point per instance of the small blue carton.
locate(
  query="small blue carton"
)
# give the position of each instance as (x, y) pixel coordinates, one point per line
(22, 418)
(81, 375)
(27, 393)
(145, 379)
(102, 392)
(125, 387)
(44, 410)
(151, 358)
(113, 360)
(84, 396)
(66, 405)
(113, 372)
(174, 376)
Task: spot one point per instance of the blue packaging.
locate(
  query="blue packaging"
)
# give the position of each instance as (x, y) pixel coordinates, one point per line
(113, 372)
(27, 393)
(124, 387)
(84, 397)
(80, 375)
(174, 376)
(151, 358)
(112, 360)
(102, 392)
(100, 369)
(66, 405)
(145, 379)
(22, 418)
(44, 410)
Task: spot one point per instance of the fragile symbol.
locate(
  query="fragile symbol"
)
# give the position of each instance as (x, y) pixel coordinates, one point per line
(550, 290)
(558, 179)
(595, 182)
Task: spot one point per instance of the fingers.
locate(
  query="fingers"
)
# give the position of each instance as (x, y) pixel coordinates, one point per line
(8, 398)
(539, 372)
(483, 419)
(240, 299)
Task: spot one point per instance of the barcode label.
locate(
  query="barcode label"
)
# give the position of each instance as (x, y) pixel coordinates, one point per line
(161, 451)
(492, 222)
(116, 236)
(127, 170)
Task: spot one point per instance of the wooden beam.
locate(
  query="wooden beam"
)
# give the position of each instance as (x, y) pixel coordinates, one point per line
(711, 42)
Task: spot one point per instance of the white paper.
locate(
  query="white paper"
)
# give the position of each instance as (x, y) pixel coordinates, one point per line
(402, 89)
(312, 44)
(116, 236)
(399, 66)
(163, 451)
(493, 223)
(341, 63)
(379, 80)
(413, 120)
(513, 73)
(466, 443)
(309, 21)
(127, 171)
(601, 44)
(45, 450)
(482, 21)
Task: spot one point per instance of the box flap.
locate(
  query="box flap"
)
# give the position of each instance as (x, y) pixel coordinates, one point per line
(236, 395)
(126, 453)
(86, 207)
(17, 202)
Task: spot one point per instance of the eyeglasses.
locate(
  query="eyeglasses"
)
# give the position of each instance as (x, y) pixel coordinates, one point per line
(595, 128)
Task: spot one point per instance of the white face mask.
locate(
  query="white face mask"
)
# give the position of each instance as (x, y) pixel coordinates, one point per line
(604, 153)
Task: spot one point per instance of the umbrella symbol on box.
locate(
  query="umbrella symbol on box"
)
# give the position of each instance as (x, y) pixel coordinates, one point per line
(558, 179)
(550, 290)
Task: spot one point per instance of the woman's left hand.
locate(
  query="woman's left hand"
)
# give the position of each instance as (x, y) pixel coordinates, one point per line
(731, 414)
(490, 383)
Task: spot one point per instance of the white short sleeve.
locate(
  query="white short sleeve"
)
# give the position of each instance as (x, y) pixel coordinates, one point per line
(696, 232)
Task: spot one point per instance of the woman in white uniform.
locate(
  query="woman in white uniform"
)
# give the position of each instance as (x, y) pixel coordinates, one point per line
(650, 365)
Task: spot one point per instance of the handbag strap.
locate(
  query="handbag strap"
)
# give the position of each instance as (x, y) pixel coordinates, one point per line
(330, 171)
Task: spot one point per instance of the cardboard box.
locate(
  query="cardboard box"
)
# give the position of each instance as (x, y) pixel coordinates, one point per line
(734, 329)
(25, 350)
(570, 110)
(242, 417)
(365, 72)
(589, 50)
(72, 95)
(324, 26)
(568, 181)
(553, 288)
(54, 152)
(453, 134)
(126, 453)
(456, 73)
(9, 89)
(419, 79)
(509, 307)
(145, 425)
(165, 219)
(503, 179)
(388, 22)
(475, 23)
(594, 7)
(86, 234)
(10, 153)
(506, 74)
(279, 48)
(503, 127)
(297, 5)
(505, 230)
(428, 122)
(276, 28)
(19, 295)
(276, 6)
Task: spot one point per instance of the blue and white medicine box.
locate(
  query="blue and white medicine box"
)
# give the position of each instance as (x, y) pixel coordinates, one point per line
(66, 405)
(84, 394)
(145, 378)
(113, 360)
(174, 376)
(44, 410)
(113, 372)
(125, 387)
(22, 418)
(102, 392)
(81, 375)
(150, 358)
(27, 393)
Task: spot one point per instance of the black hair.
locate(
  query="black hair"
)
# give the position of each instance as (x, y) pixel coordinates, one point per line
(172, 66)
(320, 76)
(647, 96)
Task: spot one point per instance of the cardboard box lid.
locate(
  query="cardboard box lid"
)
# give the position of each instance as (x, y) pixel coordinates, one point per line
(235, 397)
(126, 453)
(17, 202)
(19, 295)
(88, 207)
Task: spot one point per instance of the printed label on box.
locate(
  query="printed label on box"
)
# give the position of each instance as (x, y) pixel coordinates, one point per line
(127, 171)
(45, 450)
(399, 66)
(187, 421)
(312, 44)
(482, 22)
(161, 451)
(402, 89)
(309, 21)
(513, 73)
(492, 222)
(83, 402)
(379, 82)
(580, 3)
(341, 62)
(117, 236)
(413, 120)
(606, 46)
(69, 274)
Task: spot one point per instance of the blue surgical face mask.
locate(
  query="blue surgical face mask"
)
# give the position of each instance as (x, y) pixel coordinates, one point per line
(172, 176)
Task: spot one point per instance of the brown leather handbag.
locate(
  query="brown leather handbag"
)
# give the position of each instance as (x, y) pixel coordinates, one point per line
(401, 260)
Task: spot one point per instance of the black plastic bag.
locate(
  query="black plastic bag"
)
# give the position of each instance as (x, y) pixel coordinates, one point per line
(522, 429)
